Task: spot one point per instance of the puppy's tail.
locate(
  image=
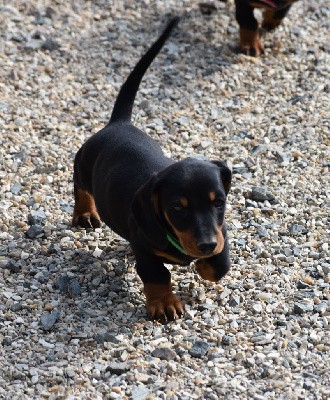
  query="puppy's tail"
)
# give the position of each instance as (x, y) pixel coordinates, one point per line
(122, 110)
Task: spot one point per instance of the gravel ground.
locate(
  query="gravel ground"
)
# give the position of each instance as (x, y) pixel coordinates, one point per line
(72, 317)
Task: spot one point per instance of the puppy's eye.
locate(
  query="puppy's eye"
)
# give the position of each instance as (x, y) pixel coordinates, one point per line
(218, 203)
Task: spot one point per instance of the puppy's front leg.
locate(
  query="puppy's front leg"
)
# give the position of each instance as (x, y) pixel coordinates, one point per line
(161, 302)
(215, 267)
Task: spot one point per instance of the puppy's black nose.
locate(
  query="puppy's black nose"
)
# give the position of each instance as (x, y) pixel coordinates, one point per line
(207, 247)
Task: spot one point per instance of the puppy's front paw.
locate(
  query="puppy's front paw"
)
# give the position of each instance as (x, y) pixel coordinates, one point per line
(250, 43)
(162, 304)
(205, 270)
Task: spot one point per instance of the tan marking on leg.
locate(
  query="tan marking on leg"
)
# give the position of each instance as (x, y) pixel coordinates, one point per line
(161, 303)
(85, 212)
(250, 42)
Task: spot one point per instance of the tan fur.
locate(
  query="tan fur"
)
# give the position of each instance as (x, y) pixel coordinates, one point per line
(161, 301)
(188, 242)
(249, 40)
(84, 206)
(205, 270)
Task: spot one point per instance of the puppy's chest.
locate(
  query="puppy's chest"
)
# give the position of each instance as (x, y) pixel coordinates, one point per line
(174, 256)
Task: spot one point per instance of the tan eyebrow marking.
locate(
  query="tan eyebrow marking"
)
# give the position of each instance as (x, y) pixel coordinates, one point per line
(212, 196)
(184, 201)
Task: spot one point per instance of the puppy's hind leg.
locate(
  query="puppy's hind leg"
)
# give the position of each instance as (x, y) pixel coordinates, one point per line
(85, 213)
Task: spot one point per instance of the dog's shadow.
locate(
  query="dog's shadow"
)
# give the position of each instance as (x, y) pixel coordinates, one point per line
(99, 286)
(102, 289)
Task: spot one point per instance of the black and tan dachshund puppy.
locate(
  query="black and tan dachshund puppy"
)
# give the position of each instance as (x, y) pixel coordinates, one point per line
(170, 212)
(273, 13)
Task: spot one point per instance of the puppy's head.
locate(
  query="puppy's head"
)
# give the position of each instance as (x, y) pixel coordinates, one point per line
(188, 199)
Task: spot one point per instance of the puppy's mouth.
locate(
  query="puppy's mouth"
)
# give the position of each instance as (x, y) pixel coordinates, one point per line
(188, 244)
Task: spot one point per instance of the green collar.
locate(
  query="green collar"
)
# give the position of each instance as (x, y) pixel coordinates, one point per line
(174, 242)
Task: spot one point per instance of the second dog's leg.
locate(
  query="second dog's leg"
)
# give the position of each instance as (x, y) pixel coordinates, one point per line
(273, 18)
(249, 38)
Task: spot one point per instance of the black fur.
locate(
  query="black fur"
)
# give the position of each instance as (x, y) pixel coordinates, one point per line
(136, 189)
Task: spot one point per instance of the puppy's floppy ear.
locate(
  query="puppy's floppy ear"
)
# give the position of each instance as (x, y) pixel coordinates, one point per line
(225, 174)
(145, 209)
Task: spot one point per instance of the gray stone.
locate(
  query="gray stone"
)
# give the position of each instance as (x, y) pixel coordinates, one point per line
(262, 338)
(302, 285)
(296, 229)
(321, 308)
(241, 242)
(282, 157)
(13, 267)
(118, 368)
(139, 392)
(307, 374)
(258, 150)
(250, 203)
(16, 188)
(164, 353)
(199, 349)
(296, 251)
(261, 194)
(287, 252)
(35, 232)
(50, 45)
(63, 284)
(103, 290)
(262, 231)
(36, 217)
(302, 308)
(53, 249)
(16, 307)
(66, 207)
(325, 268)
(106, 337)
(74, 288)
(234, 301)
(33, 44)
(227, 340)
(48, 320)
(314, 254)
